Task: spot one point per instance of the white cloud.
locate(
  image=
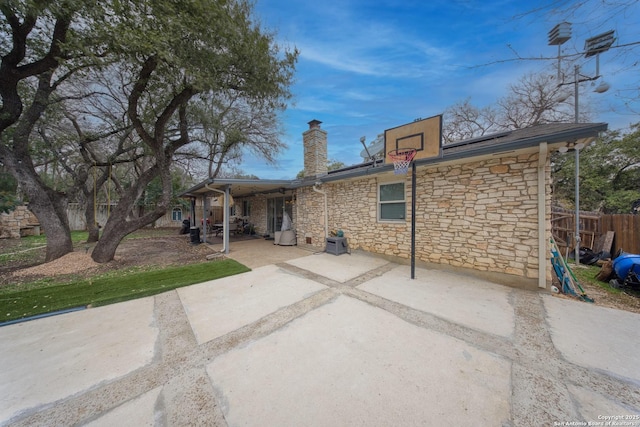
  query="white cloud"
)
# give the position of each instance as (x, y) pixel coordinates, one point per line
(368, 66)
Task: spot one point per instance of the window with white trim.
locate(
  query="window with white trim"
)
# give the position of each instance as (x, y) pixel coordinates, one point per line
(176, 214)
(391, 202)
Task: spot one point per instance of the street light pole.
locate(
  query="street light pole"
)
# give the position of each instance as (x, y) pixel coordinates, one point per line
(576, 93)
(593, 46)
(577, 149)
(577, 249)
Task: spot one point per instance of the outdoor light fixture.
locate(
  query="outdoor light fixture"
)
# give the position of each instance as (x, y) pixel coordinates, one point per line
(563, 96)
(560, 33)
(558, 36)
(571, 146)
(602, 87)
(598, 44)
(594, 46)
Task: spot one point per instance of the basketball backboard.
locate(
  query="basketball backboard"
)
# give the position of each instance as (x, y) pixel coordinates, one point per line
(424, 135)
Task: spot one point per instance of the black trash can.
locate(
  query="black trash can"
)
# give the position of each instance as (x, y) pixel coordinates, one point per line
(195, 235)
(186, 225)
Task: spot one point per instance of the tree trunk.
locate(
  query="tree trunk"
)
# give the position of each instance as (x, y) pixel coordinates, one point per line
(92, 226)
(58, 234)
(51, 211)
(105, 249)
(94, 233)
(120, 223)
(116, 229)
(49, 206)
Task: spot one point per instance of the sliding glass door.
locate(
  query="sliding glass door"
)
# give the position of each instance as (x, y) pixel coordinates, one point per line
(275, 208)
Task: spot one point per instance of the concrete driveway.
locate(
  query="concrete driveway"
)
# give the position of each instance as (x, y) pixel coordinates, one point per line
(324, 340)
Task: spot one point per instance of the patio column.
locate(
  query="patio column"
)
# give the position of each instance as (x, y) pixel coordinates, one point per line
(225, 230)
(543, 253)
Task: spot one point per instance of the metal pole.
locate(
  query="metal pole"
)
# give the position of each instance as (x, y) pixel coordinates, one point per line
(577, 254)
(577, 150)
(225, 231)
(575, 93)
(413, 220)
(193, 212)
(204, 219)
(559, 62)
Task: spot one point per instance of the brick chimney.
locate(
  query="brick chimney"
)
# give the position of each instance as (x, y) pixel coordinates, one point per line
(315, 150)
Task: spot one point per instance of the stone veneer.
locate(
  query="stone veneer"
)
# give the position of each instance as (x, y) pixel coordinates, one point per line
(314, 141)
(480, 215)
(21, 218)
(259, 213)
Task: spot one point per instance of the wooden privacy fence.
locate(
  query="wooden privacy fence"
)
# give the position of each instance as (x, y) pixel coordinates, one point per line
(594, 228)
(75, 213)
(627, 229)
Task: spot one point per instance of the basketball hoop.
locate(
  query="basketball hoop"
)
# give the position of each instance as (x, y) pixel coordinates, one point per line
(401, 159)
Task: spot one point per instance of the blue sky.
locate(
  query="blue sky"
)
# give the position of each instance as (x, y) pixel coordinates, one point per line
(366, 66)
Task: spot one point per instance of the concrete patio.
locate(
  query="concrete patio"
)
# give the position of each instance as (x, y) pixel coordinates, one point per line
(321, 340)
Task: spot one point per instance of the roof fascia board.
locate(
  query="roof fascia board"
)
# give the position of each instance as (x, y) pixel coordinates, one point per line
(519, 144)
(196, 190)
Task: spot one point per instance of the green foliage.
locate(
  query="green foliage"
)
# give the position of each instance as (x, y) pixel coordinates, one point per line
(8, 202)
(609, 173)
(8, 186)
(586, 274)
(207, 44)
(97, 70)
(153, 193)
(17, 302)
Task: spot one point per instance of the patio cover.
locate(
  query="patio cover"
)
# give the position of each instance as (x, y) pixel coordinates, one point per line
(236, 188)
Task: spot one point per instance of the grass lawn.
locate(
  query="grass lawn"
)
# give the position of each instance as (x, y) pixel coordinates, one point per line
(587, 274)
(47, 296)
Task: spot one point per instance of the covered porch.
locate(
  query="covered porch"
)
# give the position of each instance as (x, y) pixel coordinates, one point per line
(249, 207)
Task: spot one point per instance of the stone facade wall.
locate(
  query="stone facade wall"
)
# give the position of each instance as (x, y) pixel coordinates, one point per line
(258, 215)
(484, 215)
(20, 218)
(480, 215)
(310, 219)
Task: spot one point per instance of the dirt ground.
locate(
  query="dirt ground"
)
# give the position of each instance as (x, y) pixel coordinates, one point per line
(149, 248)
(157, 248)
(603, 298)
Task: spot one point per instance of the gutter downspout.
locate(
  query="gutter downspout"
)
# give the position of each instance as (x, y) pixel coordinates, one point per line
(542, 218)
(225, 221)
(326, 215)
(193, 212)
(204, 220)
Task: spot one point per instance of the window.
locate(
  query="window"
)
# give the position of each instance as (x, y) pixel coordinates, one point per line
(391, 203)
(176, 215)
(246, 208)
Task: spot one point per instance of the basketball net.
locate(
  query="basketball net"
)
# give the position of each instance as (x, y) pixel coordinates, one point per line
(401, 160)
